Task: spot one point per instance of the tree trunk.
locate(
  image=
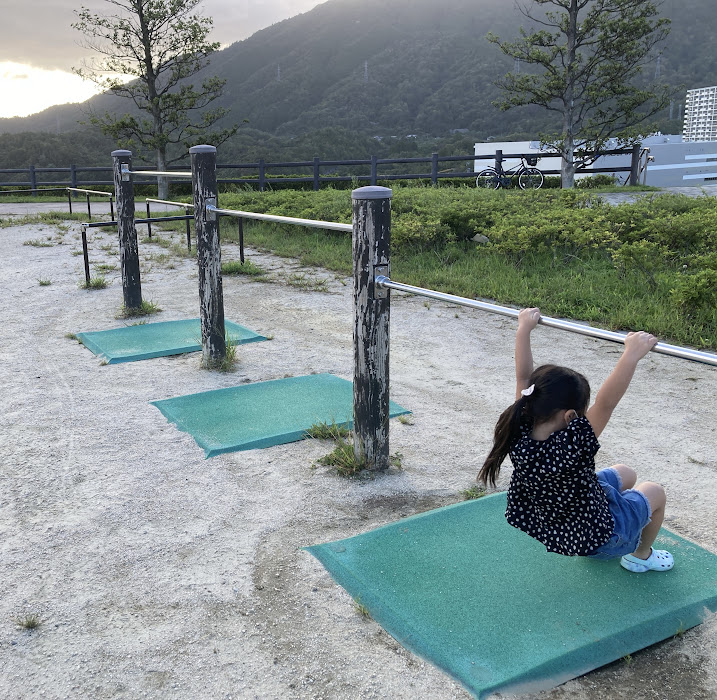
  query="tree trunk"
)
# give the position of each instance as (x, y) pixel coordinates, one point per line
(567, 168)
(162, 182)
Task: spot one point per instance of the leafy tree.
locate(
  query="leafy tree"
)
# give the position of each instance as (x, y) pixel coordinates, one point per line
(589, 55)
(159, 44)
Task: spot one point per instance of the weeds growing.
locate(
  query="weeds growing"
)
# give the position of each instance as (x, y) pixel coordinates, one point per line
(145, 309)
(98, 282)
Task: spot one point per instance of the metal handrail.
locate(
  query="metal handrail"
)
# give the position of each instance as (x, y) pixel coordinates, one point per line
(158, 173)
(164, 201)
(312, 223)
(663, 348)
(77, 189)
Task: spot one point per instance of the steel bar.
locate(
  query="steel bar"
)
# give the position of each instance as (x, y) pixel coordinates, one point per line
(97, 224)
(160, 173)
(663, 348)
(164, 201)
(77, 189)
(86, 255)
(281, 219)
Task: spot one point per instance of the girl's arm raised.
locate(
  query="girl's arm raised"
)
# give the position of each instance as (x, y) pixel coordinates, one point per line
(637, 345)
(527, 320)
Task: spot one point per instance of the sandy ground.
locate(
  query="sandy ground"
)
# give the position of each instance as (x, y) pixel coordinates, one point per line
(156, 573)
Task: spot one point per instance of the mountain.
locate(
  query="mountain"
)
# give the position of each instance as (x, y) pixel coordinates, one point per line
(392, 69)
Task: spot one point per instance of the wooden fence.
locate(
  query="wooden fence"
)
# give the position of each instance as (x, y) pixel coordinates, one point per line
(263, 174)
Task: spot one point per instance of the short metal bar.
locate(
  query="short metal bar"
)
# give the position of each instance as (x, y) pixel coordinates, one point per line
(69, 199)
(241, 240)
(98, 224)
(86, 255)
(662, 348)
(282, 219)
(89, 209)
(149, 223)
(77, 189)
(166, 201)
(161, 173)
(112, 206)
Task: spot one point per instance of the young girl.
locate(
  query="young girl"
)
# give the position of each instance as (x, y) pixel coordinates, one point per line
(551, 436)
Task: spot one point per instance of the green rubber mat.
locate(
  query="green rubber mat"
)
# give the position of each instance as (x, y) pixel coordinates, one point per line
(147, 340)
(492, 608)
(263, 414)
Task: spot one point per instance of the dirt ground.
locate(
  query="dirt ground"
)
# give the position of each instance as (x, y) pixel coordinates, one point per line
(156, 573)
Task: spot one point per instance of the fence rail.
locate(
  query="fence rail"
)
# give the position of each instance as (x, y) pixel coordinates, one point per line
(259, 174)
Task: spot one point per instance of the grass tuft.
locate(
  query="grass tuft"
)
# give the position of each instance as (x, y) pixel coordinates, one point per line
(472, 493)
(98, 282)
(44, 282)
(236, 267)
(30, 621)
(326, 431)
(228, 362)
(146, 308)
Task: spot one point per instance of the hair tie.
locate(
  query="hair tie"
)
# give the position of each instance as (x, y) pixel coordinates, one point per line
(528, 391)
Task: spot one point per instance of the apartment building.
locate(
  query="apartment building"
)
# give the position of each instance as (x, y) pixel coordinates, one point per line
(700, 115)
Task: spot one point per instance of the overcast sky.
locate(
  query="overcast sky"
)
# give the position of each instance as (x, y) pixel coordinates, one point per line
(38, 32)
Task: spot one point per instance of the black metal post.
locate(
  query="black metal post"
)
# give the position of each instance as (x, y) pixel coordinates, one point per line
(241, 240)
(69, 200)
(33, 181)
(127, 231)
(149, 223)
(434, 168)
(89, 211)
(211, 297)
(112, 208)
(189, 230)
(371, 254)
(86, 256)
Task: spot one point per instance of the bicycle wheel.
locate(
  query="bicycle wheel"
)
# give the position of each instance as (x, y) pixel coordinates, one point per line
(488, 179)
(530, 179)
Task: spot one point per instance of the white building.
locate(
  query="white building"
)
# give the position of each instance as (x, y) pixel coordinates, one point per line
(700, 115)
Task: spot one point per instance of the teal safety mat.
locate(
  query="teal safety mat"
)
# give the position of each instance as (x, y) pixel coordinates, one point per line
(263, 414)
(147, 340)
(497, 612)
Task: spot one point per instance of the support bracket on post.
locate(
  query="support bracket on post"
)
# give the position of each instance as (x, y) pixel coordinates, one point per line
(209, 207)
(126, 173)
(380, 274)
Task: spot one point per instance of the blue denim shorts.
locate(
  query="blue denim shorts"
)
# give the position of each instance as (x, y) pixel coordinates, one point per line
(630, 510)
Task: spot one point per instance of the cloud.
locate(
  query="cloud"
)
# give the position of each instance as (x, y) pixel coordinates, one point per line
(39, 33)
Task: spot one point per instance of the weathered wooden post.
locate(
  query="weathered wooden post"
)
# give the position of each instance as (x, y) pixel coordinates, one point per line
(129, 252)
(499, 161)
(211, 296)
(371, 253)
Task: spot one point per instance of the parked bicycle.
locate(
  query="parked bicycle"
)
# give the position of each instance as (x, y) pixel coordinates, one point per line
(527, 175)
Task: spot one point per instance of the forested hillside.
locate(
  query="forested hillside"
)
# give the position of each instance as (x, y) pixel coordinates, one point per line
(371, 69)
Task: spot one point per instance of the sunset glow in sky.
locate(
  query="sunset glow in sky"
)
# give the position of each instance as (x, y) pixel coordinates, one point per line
(40, 47)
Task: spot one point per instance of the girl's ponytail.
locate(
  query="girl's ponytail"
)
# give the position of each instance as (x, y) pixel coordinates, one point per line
(507, 430)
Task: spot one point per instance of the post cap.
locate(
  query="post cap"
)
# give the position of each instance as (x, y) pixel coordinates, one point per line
(372, 192)
(121, 153)
(203, 149)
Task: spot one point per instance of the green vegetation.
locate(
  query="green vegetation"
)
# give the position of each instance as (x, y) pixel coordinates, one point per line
(28, 622)
(147, 308)
(649, 265)
(326, 431)
(472, 493)
(228, 362)
(44, 282)
(98, 282)
(236, 267)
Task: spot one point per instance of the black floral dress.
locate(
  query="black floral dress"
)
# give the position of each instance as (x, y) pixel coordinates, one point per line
(554, 495)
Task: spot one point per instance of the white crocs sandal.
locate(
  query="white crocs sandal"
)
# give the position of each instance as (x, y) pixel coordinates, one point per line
(659, 560)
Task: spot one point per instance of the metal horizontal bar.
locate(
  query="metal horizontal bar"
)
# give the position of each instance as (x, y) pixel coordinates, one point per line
(153, 220)
(663, 348)
(77, 189)
(164, 201)
(160, 173)
(281, 219)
